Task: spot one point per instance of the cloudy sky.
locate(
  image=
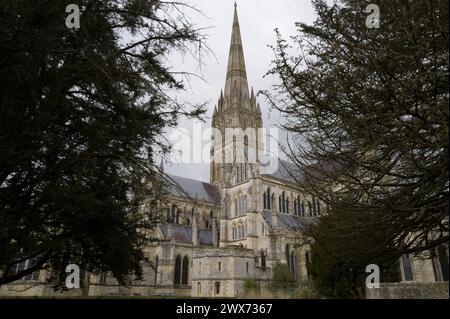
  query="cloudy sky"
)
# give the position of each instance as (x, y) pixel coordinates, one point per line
(258, 19)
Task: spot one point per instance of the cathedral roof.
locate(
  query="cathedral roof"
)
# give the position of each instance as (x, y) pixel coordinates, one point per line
(286, 171)
(284, 221)
(291, 172)
(183, 234)
(194, 189)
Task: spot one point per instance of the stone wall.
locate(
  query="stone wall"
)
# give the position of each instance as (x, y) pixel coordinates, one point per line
(409, 290)
(227, 267)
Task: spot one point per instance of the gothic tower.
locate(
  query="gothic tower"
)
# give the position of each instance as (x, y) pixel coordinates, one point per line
(236, 119)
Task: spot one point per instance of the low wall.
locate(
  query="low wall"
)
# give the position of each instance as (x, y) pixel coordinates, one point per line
(409, 290)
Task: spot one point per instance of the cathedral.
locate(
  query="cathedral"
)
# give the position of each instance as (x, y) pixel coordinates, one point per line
(217, 236)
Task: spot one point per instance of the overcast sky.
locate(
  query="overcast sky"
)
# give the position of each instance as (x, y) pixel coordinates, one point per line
(258, 19)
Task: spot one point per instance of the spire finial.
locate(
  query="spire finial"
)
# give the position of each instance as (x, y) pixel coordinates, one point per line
(235, 5)
(236, 79)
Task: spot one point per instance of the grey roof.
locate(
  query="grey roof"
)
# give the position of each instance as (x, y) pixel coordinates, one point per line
(191, 188)
(285, 221)
(183, 234)
(290, 172)
(287, 171)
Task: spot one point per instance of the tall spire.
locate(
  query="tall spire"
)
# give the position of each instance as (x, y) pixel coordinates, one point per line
(236, 83)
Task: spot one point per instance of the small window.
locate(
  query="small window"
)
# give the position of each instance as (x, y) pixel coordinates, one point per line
(156, 268)
(103, 276)
(220, 266)
(217, 287)
(177, 274)
(264, 201)
(407, 268)
(247, 266)
(185, 272)
(263, 260)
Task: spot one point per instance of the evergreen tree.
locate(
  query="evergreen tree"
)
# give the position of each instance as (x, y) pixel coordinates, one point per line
(368, 112)
(81, 112)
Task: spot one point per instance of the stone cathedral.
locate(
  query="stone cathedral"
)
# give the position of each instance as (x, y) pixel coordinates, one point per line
(216, 236)
(222, 233)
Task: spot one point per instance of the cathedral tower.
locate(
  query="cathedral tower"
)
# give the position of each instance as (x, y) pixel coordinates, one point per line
(234, 155)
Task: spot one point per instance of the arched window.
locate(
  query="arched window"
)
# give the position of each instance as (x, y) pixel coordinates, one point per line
(408, 274)
(173, 213)
(177, 277)
(287, 205)
(211, 214)
(206, 224)
(246, 147)
(307, 263)
(238, 212)
(235, 207)
(287, 255)
(293, 264)
(272, 201)
(265, 206)
(280, 204)
(168, 214)
(185, 274)
(267, 199)
(318, 207)
(310, 209)
(263, 259)
(234, 147)
(156, 269)
(303, 209)
(233, 227)
(177, 219)
(295, 207)
(188, 221)
(239, 205)
(314, 202)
